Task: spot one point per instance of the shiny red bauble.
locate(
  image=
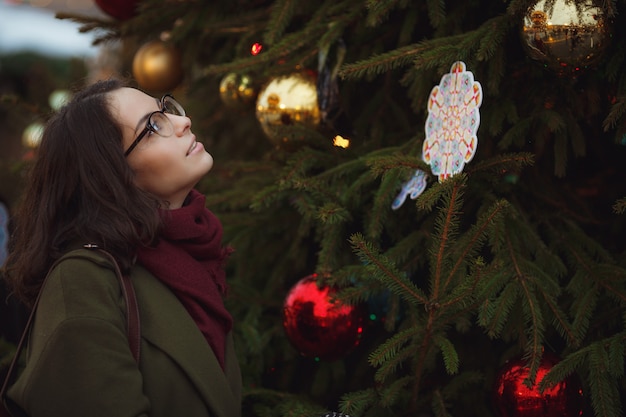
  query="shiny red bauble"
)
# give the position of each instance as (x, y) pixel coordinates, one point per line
(119, 9)
(318, 325)
(513, 398)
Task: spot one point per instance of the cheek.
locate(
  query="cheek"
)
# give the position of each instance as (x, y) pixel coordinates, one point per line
(155, 174)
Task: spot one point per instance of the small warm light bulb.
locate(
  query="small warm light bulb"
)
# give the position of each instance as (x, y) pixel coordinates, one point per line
(32, 135)
(165, 36)
(256, 48)
(341, 142)
(58, 98)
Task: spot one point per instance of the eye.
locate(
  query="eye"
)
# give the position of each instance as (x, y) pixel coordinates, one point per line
(158, 123)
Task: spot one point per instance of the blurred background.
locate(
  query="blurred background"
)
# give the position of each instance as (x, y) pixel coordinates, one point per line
(40, 57)
(31, 26)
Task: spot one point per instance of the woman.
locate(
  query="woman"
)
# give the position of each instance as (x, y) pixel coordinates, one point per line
(116, 169)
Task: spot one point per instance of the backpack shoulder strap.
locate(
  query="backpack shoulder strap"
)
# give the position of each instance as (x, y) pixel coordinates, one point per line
(133, 324)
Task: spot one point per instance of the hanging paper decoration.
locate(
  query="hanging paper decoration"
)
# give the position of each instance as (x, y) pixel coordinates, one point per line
(452, 123)
(414, 187)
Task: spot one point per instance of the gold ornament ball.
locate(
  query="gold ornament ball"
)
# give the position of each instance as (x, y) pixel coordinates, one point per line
(286, 101)
(563, 38)
(157, 66)
(237, 90)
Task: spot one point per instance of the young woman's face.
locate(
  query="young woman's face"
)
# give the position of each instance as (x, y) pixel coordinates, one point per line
(168, 167)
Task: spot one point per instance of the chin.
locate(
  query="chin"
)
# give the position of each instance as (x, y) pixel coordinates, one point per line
(204, 167)
(208, 167)
(208, 159)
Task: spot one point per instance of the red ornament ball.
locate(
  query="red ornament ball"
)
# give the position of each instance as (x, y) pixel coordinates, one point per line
(119, 9)
(513, 398)
(318, 325)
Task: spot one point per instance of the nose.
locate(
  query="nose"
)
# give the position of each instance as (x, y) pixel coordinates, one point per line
(181, 124)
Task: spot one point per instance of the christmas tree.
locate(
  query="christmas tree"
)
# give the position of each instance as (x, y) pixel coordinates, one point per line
(457, 182)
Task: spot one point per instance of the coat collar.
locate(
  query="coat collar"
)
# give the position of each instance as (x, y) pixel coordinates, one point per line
(170, 328)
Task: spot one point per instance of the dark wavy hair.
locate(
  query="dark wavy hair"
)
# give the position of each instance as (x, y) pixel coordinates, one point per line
(80, 190)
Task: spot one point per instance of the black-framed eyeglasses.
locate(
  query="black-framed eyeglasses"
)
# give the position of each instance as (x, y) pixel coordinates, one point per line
(158, 122)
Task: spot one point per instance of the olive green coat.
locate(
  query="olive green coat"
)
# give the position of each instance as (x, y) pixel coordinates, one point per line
(79, 363)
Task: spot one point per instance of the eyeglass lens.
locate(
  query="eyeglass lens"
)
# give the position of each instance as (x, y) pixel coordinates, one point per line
(159, 123)
(171, 106)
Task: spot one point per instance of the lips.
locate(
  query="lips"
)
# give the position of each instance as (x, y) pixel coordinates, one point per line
(192, 147)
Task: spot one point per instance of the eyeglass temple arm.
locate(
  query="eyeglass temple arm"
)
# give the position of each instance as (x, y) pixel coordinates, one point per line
(136, 141)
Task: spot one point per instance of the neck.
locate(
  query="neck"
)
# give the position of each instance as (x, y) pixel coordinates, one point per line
(176, 201)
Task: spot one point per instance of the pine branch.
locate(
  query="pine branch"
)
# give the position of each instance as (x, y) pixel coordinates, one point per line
(286, 48)
(443, 51)
(356, 403)
(471, 242)
(407, 251)
(457, 387)
(392, 393)
(494, 314)
(517, 134)
(378, 11)
(618, 110)
(494, 33)
(384, 270)
(281, 13)
(290, 43)
(446, 230)
(390, 348)
(583, 307)
(605, 397)
(382, 63)
(620, 206)
(504, 162)
(559, 318)
(396, 161)
(333, 218)
(390, 366)
(438, 405)
(110, 29)
(333, 214)
(449, 353)
(535, 328)
(436, 12)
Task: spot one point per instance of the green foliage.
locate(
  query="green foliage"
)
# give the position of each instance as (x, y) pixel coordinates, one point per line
(520, 254)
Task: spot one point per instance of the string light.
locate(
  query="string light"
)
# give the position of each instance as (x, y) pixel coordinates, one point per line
(341, 142)
(256, 48)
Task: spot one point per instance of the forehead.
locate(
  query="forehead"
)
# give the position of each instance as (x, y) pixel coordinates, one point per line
(129, 105)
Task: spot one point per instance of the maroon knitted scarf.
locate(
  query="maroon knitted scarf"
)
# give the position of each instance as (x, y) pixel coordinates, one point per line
(189, 259)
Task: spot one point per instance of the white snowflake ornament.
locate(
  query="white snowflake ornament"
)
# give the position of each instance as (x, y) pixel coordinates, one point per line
(452, 123)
